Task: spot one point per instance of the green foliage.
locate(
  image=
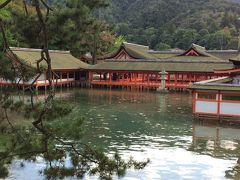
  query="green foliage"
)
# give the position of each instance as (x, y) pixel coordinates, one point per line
(25, 29)
(73, 130)
(7, 104)
(56, 133)
(175, 23)
(78, 30)
(184, 37)
(118, 42)
(3, 172)
(122, 29)
(57, 172)
(220, 39)
(95, 162)
(73, 20)
(9, 72)
(56, 111)
(6, 70)
(163, 46)
(64, 141)
(17, 106)
(234, 173)
(5, 13)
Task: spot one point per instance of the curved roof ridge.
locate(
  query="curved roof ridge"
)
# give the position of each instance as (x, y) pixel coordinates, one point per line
(200, 50)
(221, 51)
(38, 50)
(165, 51)
(139, 45)
(198, 46)
(167, 61)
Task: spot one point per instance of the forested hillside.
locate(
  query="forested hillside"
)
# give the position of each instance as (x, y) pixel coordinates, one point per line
(92, 26)
(71, 26)
(176, 23)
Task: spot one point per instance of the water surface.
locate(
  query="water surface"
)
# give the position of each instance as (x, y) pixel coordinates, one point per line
(151, 125)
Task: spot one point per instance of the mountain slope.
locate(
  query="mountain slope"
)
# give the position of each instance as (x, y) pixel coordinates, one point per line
(147, 21)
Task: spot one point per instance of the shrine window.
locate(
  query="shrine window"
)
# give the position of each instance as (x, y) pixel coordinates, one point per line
(206, 96)
(231, 97)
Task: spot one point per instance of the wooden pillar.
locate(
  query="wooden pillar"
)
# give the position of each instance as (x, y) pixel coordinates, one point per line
(110, 80)
(218, 103)
(182, 79)
(53, 79)
(135, 78)
(74, 77)
(169, 78)
(110, 77)
(148, 78)
(67, 79)
(61, 78)
(175, 80)
(90, 78)
(45, 81)
(194, 101)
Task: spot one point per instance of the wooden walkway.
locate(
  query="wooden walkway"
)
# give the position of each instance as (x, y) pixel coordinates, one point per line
(40, 83)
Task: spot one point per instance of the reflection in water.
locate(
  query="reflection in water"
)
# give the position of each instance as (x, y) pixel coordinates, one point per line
(219, 141)
(41, 96)
(155, 126)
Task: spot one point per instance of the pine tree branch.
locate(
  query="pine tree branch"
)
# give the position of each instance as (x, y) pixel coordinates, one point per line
(5, 3)
(5, 42)
(23, 154)
(25, 7)
(46, 5)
